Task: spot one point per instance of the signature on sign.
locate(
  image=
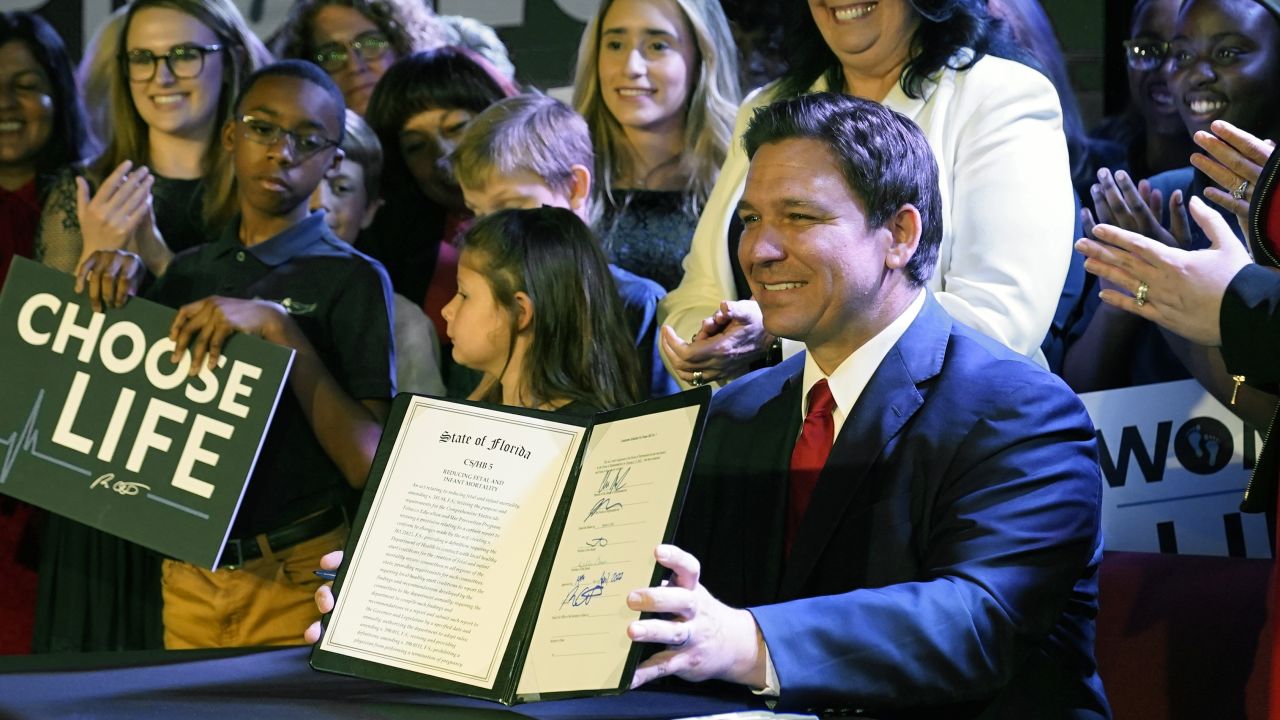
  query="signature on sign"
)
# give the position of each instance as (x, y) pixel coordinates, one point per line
(121, 487)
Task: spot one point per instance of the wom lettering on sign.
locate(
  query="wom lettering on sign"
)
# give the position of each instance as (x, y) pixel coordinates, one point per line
(1175, 463)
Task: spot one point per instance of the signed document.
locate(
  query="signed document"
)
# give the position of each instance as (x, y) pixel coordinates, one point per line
(495, 546)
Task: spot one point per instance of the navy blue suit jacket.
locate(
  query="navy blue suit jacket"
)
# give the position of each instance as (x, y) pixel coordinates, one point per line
(947, 564)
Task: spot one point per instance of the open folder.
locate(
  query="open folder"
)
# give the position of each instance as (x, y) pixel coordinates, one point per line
(495, 546)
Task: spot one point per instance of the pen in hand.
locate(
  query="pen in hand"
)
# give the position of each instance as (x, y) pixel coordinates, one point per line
(327, 574)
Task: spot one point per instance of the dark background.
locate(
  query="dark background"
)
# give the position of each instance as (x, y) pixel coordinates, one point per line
(543, 35)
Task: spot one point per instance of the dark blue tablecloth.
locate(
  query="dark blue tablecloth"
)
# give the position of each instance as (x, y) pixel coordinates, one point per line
(280, 684)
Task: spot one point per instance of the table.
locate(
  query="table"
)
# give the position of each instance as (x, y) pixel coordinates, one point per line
(278, 683)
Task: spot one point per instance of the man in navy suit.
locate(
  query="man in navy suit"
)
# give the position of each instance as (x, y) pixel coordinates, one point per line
(943, 560)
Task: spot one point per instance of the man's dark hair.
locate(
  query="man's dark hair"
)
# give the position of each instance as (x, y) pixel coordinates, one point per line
(885, 159)
(302, 70)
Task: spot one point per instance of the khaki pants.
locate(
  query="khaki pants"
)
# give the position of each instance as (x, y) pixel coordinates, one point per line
(267, 601)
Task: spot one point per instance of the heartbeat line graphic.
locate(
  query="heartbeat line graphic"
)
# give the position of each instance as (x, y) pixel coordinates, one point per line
(27, 441)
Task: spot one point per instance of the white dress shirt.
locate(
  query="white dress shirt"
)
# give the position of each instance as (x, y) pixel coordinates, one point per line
(847, 383)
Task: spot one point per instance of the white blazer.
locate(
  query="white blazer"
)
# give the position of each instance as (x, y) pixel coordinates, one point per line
(1007, 204)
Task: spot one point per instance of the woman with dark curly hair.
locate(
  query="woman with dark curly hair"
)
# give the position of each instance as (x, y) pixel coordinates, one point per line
(38, 98)
(53, 131)
(995, 127)
(355, 41)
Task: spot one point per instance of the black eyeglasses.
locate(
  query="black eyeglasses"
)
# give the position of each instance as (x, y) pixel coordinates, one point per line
(369, 45)
(183, 61)
(1145, 54)
(265, 132)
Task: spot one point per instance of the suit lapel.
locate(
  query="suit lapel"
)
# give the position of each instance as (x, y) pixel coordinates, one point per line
(765, 501)
(886, 404)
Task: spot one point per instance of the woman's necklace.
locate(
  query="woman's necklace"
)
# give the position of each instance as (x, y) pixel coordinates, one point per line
(662, 176)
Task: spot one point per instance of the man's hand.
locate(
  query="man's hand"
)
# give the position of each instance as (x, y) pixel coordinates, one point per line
(723, 348)
(1184, 288)
(324, 597)
(705, 638)
(205, 325)
(110, 276)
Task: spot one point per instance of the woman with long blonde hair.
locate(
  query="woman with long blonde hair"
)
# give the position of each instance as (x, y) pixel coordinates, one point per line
(657, 81)
(161, 184)
(169, 89)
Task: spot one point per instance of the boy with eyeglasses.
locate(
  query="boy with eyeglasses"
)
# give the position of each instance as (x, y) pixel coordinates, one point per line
(279, 273)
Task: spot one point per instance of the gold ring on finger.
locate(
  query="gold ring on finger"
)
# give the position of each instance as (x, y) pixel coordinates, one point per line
(1140, 297)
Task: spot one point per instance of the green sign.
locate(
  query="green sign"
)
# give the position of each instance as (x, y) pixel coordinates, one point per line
(98, 424)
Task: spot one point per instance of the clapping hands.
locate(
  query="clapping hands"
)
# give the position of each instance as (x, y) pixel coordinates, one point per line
(723, 348)
(1234, 161)
(110, 217)
(1137, 208)
(1181, 290)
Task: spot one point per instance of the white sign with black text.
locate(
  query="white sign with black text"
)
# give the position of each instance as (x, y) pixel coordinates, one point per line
(1175, 463)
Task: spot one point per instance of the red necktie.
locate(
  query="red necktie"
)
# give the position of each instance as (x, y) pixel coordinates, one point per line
(809, 456)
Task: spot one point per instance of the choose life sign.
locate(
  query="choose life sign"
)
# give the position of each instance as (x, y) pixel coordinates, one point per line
(98, 424)
(1175, 463)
